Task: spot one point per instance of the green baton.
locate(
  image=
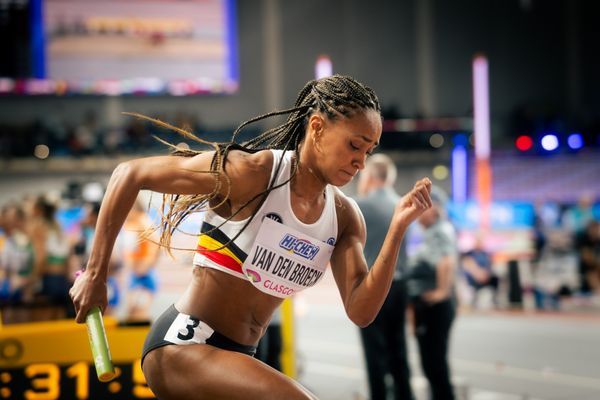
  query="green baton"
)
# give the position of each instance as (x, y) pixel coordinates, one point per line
(99, 345)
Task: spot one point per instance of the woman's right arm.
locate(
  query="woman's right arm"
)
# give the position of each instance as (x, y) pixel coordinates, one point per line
(166, 174)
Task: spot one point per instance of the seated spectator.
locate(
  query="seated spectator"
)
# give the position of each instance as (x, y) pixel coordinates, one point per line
(555, 274)
(477, 268)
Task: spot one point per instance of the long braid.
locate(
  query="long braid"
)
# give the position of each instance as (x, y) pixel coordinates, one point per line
(334, 96)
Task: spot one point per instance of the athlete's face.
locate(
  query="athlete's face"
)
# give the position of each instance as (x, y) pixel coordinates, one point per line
(343, 144)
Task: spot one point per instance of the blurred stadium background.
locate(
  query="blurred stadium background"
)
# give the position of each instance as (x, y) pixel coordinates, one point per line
(69, 68)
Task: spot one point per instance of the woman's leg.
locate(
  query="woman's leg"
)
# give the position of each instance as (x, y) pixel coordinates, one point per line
(202, 371)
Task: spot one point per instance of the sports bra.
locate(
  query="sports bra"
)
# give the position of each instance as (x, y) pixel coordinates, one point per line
(277, 253)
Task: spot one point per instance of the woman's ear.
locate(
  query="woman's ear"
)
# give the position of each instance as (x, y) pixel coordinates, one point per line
(316, 125)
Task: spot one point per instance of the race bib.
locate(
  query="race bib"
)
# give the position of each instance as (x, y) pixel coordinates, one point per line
(284, 261)
(186, 329)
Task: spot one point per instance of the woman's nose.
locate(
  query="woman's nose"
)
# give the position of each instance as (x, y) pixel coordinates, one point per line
(359, 161)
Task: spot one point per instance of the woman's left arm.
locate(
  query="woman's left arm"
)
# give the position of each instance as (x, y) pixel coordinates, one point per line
(364, 290)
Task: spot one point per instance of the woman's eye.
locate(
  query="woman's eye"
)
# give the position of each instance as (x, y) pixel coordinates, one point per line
(353, 146)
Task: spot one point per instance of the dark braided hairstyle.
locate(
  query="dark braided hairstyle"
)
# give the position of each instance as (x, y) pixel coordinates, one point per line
(335, 97)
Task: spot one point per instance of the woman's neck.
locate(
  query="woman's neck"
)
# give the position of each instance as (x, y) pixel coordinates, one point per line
(307, 183)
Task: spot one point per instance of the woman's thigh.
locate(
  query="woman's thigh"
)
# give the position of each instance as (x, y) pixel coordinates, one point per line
(205, 372)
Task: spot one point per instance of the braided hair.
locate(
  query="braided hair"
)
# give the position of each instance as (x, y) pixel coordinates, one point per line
(335, 97)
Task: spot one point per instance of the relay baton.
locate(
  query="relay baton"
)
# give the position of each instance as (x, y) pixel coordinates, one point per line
(98, 342)
(99, 345)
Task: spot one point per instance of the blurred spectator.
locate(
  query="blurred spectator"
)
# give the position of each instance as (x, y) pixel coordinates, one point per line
(87, 230)
(576, 221)
(111, 141)
(555, 275)
(384, 340)
(588, 248)
(86, 136)
(51, 252)
(431, 270)
(140, 253)
(54, 133)
(576, 218)
(138, 135)
(16, 265)
(477, 268)
(539, 232)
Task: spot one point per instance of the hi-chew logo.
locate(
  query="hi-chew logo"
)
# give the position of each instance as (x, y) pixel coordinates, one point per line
(301, 247)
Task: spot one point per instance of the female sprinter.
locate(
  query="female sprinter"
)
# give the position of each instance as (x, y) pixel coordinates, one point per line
(274, 221)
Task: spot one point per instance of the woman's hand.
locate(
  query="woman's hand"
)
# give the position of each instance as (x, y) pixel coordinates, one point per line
(87, 292)
(414, 203)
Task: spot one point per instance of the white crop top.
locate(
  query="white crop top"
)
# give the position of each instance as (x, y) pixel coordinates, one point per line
(277, 253)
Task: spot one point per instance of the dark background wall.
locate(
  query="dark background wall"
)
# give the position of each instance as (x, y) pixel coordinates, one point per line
(543, 62)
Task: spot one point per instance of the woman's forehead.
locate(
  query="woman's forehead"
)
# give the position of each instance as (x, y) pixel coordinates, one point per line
(366, 126)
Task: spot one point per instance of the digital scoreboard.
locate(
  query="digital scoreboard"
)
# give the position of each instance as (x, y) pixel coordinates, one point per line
(53, 360)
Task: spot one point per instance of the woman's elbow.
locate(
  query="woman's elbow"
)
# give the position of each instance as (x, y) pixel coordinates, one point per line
(123, 168)
(125, 172)
(361, 319)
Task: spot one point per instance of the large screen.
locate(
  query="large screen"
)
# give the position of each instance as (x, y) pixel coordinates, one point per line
(116, 47)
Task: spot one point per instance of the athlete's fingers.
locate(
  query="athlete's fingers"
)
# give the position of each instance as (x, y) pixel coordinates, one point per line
(423, 192)
(422, 199)
(424, 182)
(417, 199)
(423, 186)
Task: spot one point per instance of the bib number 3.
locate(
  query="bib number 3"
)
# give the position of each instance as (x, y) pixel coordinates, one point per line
(187, 332)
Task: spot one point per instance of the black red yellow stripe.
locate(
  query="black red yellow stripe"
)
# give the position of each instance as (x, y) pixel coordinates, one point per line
(216, 246)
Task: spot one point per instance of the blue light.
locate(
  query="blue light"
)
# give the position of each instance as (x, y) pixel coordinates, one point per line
(575, 141)
(459, 174)
(38, 39)
(460, 139)
(549, 142)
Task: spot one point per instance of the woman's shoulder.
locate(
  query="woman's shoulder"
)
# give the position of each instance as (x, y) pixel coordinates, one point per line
(248, 173)
(245, 162)
(342, 201)
(347, 210)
